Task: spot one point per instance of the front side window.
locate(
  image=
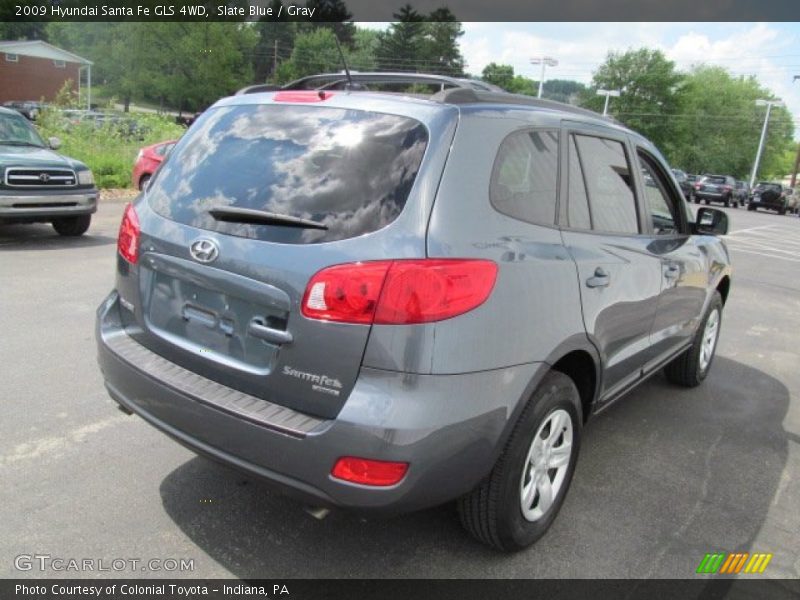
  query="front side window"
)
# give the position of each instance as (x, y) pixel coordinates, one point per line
(657, 198)
(609, 184)
(350, 171)
(525, 177)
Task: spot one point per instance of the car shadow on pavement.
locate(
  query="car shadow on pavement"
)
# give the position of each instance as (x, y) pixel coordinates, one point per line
(665, 476)
(42, 237)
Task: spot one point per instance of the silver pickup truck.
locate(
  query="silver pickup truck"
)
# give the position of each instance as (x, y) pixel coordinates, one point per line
(38, 185)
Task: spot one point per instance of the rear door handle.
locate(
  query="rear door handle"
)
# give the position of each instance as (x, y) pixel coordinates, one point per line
(601, 278)
(257, 328)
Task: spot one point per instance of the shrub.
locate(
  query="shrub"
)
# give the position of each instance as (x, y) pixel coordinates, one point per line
(109, 150)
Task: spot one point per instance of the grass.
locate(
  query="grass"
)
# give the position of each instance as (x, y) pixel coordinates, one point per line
(108, 152)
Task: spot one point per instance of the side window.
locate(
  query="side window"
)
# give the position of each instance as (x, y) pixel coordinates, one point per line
(608, 183)
(578, 202)
(525, 175)
(662, 212)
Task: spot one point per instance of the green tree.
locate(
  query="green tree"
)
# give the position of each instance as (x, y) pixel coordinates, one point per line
(332, 14)
(650, 87)
(314, 52)
(718, 125)
(399, 47)
(499, 75)
(23, 30)
(274, 42)
(440, 48)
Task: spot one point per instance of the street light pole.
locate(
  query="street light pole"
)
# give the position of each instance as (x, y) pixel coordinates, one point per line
(769, 104)
(796, 158)
(544, 61)
(608, 94)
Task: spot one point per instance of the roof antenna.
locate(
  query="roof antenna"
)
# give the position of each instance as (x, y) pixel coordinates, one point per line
(344, 62)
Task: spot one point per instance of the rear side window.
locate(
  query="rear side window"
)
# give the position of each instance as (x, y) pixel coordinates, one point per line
(350, 170)
(525, 176)
(609, 186)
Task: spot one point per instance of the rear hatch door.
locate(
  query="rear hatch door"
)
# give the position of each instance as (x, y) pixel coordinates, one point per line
(220, 284)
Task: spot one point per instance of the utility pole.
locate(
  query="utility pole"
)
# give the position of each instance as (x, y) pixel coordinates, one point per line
(797, 158)
(769, 104)
(608, 94)
(544, 61)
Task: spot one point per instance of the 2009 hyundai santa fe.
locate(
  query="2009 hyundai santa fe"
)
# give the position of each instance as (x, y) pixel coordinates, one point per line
(383, 302)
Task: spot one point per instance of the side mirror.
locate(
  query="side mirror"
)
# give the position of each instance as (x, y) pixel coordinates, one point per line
(711, 221)
(54, 143)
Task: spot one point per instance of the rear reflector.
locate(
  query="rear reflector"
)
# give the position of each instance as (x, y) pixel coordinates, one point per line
(128, 238)
(302, 96)
(400, 291)
(369, 472)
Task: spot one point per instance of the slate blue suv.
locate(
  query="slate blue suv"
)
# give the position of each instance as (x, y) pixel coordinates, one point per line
(384, 302)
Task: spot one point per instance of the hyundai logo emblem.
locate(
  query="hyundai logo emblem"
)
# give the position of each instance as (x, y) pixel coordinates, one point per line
(204, 250)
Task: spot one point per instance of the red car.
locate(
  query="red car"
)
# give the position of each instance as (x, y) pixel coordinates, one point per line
(147, 162)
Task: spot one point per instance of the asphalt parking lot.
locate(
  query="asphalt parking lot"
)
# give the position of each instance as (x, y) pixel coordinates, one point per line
(665, 475)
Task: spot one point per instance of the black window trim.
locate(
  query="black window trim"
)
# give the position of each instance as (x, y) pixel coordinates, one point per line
(529, 129)
(673, 196)
(570, 128)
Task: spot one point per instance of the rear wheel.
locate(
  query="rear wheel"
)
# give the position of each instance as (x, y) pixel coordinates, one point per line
(690, 368)
(519, 500)
(782, 211)
(72, 226)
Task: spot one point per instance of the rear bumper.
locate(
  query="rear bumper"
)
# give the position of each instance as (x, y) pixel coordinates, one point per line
(768, 205)
(42, 206)
(448, 427)
(711, 196)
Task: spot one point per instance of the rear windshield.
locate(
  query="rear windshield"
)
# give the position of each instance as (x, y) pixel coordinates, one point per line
(349, 170)
(769, 186)
(717, 180)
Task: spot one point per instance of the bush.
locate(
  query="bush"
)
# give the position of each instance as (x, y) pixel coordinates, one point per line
(109, 150)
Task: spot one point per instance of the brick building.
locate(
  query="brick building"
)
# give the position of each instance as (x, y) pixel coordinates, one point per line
(32, 70)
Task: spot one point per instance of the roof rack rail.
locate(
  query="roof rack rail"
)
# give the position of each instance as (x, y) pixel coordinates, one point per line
(362, 79)
(470, 96)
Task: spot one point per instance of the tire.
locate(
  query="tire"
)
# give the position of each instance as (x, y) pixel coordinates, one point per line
(751, 207)
(143, 182)
(72, 226)
(691, 367)
(493, 512)
(727, 203)
(782, 211)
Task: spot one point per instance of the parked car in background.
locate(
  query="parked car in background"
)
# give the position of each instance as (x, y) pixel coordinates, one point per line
(684, 183)
(120, 124)
(716, 188)
(147, 162)
(28, 108)
(742, 192)
(371, 300)
(37, 184)
(773, 196)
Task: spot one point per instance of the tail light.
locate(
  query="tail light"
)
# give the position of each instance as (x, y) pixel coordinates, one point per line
(369, 472)
(399, 292)
(129, 233)
(727, 188)
(697, 186)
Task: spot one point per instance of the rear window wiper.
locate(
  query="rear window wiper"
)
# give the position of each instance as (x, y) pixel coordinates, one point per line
(232, 214)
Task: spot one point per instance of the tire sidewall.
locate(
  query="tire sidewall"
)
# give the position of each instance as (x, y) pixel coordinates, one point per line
(716, 302)
(557, 391)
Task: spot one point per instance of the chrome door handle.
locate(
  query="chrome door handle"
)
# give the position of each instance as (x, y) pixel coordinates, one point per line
(601, 278)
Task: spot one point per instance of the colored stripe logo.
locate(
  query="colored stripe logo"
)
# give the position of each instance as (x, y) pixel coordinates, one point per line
(733, 563)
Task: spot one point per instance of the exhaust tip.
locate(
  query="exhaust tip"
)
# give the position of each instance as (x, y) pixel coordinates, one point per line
(318, 512)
